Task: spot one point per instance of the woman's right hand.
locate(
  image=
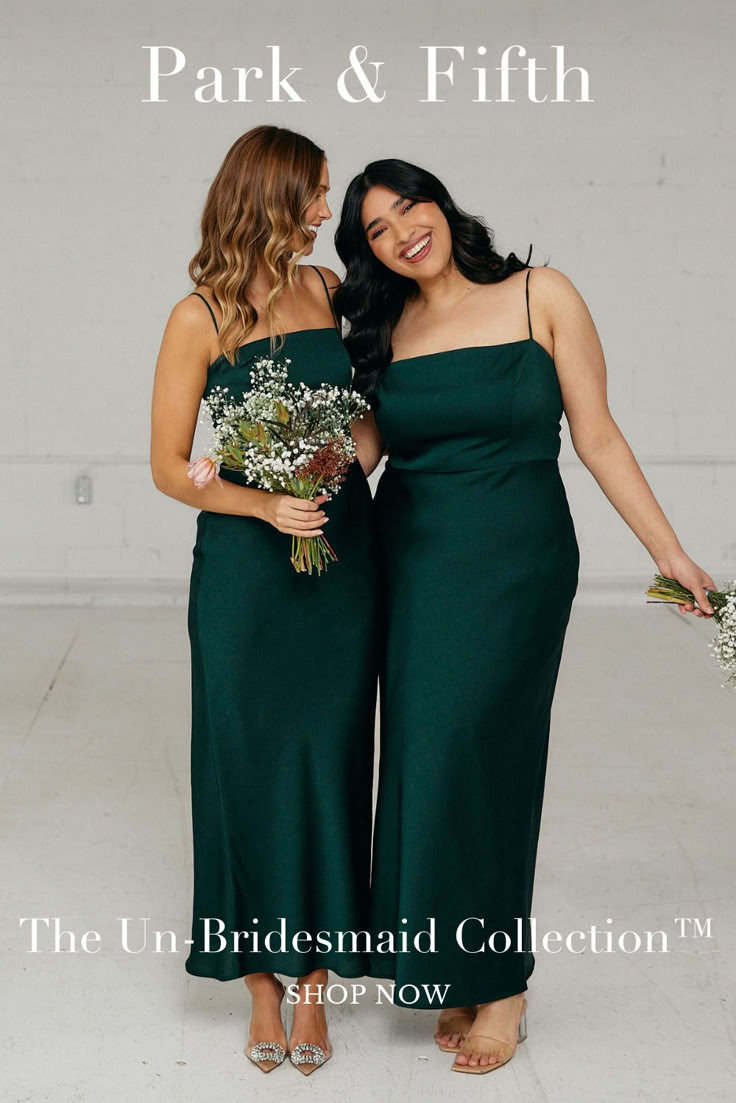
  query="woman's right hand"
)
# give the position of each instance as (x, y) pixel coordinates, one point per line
(295, 516)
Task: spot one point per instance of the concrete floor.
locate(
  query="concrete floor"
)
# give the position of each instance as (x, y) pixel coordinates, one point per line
(638, 825)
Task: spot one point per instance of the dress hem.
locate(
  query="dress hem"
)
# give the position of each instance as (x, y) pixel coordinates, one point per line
(305, 969)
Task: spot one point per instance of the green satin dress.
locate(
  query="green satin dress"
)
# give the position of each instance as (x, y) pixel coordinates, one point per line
(480, 567)
(283, 684)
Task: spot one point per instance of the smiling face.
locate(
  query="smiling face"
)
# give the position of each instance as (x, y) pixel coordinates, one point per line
(317, 212)
(410, 236)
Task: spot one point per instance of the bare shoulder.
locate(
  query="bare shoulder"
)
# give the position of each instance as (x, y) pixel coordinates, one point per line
(189, 328)
(558, 300)
(190, 314)
(553, 287)
(332, 279)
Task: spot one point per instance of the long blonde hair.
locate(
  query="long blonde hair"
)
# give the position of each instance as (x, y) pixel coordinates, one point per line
(254, 210)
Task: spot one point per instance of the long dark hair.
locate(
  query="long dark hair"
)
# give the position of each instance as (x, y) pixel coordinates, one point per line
(372, 296)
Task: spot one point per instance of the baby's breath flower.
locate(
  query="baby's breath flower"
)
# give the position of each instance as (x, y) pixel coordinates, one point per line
(288, 438)
(723, 603)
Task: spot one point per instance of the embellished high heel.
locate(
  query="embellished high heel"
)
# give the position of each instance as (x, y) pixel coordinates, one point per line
(504, 1052)
(456, 1022)
(308, 1056)
(267, 1055)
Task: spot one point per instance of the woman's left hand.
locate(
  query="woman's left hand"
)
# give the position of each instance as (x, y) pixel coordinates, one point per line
(685, 571)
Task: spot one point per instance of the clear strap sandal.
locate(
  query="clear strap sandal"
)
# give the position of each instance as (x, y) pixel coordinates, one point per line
(502, 1050)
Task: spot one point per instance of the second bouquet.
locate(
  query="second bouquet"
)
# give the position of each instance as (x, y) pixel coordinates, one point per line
(285, 438)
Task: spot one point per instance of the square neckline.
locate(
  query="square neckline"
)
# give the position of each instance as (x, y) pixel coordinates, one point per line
(468, 348)
(289, 333)
(308, 329)
(530, 340)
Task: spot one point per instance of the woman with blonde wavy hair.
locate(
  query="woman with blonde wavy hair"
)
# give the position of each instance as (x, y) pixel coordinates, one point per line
(283, 675)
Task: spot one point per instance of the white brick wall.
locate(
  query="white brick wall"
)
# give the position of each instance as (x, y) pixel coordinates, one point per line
(630, 196)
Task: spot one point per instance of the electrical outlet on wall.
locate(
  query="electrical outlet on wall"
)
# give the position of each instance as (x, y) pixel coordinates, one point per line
(83, 490)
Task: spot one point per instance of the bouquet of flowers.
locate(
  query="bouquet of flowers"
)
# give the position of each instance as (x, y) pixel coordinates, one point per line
(723, 603)
(286, 438)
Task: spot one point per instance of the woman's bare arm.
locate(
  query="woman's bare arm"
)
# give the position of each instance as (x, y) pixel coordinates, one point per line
(179, 382)
(597, 439)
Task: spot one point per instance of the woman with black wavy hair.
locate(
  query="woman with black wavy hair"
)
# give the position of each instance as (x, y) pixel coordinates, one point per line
(479, 559)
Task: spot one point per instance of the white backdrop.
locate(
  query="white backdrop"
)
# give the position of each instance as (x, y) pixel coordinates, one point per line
(630, 195)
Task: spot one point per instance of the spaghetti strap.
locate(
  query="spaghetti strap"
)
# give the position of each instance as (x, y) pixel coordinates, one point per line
(212, 313)
(329, 298)
(527, 305)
